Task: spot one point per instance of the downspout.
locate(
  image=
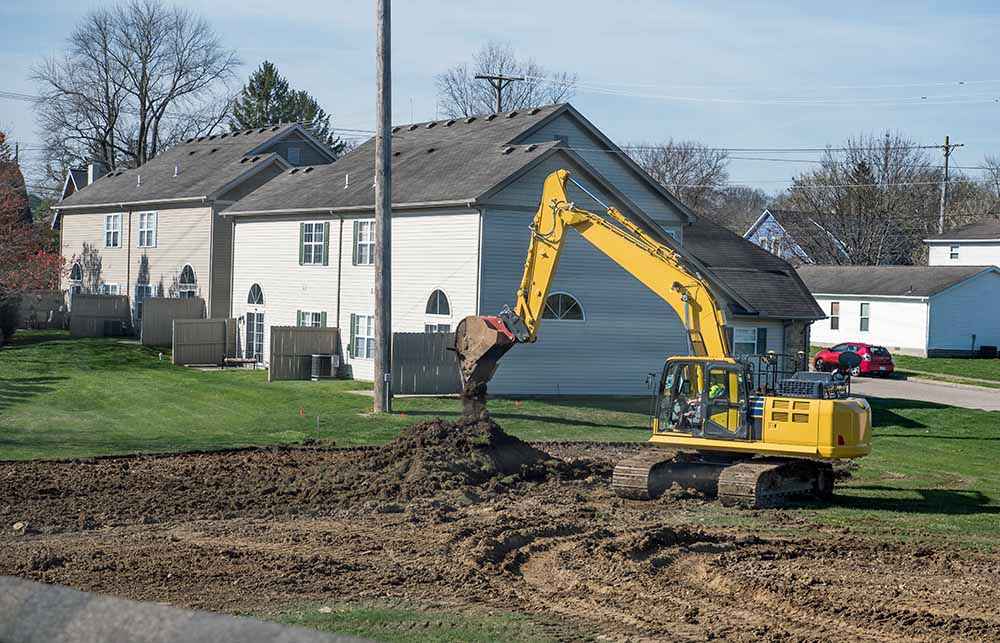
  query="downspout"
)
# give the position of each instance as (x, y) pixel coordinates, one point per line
(479, 264)
(128, 257)
(340, 261)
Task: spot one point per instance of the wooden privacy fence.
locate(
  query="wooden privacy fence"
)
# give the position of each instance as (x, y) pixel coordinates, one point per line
(204, 341)
(159, 313)
(292, 348)
(99, 315)
(43, 309)
(423, 365)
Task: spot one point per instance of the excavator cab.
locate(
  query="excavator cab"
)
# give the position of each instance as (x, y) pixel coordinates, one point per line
(704, 398)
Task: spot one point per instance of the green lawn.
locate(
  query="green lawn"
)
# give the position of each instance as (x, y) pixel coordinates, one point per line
(63, 397)
(933, 469)
(402, 624)
(980, 369)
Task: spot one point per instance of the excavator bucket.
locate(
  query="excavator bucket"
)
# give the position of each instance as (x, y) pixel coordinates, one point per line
(480, 342)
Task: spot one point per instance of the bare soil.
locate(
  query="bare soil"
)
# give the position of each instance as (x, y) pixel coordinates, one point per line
(468, 517)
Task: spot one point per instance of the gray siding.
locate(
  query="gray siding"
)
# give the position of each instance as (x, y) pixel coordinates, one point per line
(627, 332)
(610, 165)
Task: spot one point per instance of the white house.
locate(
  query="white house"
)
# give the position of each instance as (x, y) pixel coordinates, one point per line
(977, 244)
(796, 237)
(464, 193)
(913, 310)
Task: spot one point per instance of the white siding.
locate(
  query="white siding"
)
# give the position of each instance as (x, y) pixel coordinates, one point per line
(969, 254)
(628, 331)
(610, 165)
(971, 307)
(267, 253)
(898, 323)
(435, 249)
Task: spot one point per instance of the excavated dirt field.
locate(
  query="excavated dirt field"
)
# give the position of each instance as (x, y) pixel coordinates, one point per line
(470, 519)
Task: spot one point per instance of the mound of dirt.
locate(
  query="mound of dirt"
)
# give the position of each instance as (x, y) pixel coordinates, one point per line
(437, 456)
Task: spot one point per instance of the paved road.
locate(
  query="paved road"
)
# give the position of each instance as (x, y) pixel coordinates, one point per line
(968, 397)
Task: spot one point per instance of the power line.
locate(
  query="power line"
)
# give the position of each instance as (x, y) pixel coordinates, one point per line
(948, 83)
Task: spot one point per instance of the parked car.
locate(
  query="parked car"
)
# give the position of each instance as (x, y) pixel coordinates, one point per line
(875, 360)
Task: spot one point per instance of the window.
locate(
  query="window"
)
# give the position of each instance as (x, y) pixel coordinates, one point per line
(113, 231)
(745, 341)
(437, 328)
(314, 243)
(142, 292)
(562, 306)
(953, 252)
(364, 243)
(834, 315)
(865, 314)
(256, 296)
(437, 304)
(294, 155)
(311, 319)
(75, 279)
(187, 285)
(362, 336)
(147, 229)
(108, 289)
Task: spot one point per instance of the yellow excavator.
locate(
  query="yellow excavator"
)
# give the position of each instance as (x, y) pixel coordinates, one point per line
(726, 437)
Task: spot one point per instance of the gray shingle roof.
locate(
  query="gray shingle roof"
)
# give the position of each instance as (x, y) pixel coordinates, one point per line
(982, 230)
(436, 161)
(912, 281)
(204, 166)
(766, 282)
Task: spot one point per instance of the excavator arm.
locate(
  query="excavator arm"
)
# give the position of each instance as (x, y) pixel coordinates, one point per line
(481, 341)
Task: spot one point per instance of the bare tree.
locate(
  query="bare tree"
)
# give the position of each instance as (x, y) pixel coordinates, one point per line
(878, 198)
(736, 207)
(461, 94)
(134, 78)
(691, 171)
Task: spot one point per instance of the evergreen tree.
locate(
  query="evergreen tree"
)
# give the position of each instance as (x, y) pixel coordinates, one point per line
(267, 99)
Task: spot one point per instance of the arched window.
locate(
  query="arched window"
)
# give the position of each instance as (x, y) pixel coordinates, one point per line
(187, 285)
(255, 296)
(75, 279)
(562, 306)
(437, 304)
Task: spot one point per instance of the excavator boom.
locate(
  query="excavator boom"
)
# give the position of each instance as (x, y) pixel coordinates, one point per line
(481, 341)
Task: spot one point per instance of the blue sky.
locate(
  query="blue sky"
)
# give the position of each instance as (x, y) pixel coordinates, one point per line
(722, 73)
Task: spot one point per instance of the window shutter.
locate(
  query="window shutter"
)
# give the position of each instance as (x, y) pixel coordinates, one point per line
(729, 339)
(298, 317)
(302, 243)
(761, 340)
(326, 243)
(354, 244)
(322, 319)
(354, 333)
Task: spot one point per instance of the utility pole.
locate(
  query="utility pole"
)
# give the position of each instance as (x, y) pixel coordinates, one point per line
(947, 147)
(383, 213)
(498, 82)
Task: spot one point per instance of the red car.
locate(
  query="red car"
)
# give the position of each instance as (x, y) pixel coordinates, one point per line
(875, 360)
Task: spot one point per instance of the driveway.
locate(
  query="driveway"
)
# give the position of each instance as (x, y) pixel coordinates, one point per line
(969, 397)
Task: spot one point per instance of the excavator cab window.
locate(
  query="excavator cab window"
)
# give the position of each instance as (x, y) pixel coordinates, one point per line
(704, 399)
(682, 397)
